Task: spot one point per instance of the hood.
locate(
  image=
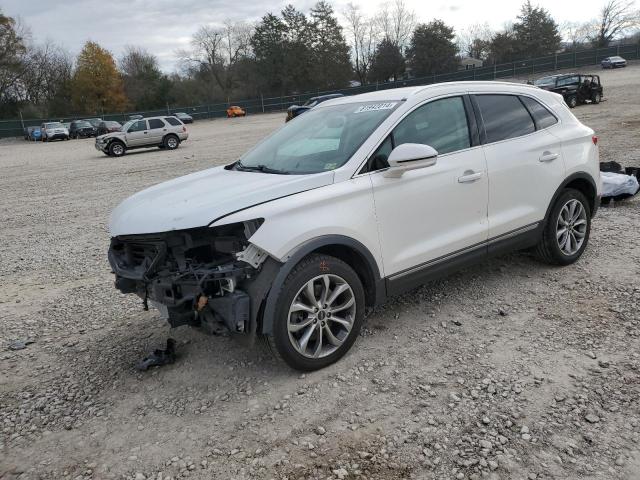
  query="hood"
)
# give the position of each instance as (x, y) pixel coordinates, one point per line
(116, 134)
(198, 199)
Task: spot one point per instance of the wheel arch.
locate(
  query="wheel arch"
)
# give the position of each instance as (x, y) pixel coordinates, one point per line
(584, 183)
(350, 251)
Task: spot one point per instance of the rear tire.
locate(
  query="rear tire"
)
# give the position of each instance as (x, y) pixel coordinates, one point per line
(312, 333)
(566, 233)
(596, 98)
(171, 142)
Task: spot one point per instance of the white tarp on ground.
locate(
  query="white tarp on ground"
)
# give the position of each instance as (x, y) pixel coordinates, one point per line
(618, 184)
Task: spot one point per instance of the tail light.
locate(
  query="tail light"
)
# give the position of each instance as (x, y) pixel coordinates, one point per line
(594, 139)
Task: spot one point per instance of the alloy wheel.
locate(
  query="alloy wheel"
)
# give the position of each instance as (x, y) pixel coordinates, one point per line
(172, 142)
(321, 316)
(571, 227)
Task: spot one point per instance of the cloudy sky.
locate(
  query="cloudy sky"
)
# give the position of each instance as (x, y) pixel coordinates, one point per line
(163, 26)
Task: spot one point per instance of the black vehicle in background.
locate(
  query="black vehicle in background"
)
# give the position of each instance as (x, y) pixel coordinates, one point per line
(295, 110)
(613, 62)
(93, 121)
(82, 129)
(108, 126)
(184, 117)
(576, 88)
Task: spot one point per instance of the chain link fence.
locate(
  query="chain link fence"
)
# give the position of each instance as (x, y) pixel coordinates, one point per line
(520, 68)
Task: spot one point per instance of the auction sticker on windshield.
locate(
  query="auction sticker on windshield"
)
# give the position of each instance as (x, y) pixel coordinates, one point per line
(375, 107)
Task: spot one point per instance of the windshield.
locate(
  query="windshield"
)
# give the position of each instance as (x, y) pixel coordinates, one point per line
(545, 81)
(53, 125)
(83, 124)
(126, 126)
(320, 140)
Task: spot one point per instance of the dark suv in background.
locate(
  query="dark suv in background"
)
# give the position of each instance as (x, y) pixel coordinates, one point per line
(295, 110)
(82, 129)
(576, 88)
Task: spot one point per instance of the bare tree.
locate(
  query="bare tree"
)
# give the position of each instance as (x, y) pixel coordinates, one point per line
(363, 33)
(616, 17)
(474, 40)
(218, 51)
(396, 22)
(575, 33)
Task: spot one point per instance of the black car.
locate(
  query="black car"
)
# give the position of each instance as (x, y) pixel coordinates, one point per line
(82, 129)
(576, 88)
(295, 110)
(613, 62)
(185, 118)
(108, 126)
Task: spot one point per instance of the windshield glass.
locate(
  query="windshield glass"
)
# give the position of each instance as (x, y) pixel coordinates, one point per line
(320, 140)
(53, 125)
(83, 124)
(545, 81)
(126, 126)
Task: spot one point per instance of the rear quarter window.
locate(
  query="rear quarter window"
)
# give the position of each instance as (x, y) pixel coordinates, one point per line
(156, 123)
(543, 117)
(504, 117)
(173, 121)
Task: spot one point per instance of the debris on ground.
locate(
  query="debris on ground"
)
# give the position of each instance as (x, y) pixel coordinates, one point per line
(159, 357)
(20, 344)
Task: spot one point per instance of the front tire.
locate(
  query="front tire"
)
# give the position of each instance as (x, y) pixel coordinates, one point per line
(319, 313)
(566, 233)
(572, 101)
(596, 98)
(117, 149)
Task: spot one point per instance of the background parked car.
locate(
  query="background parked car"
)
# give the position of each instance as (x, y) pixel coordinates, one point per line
(295, 110)
(135, 117)
(613, 62)
(235, 111)
(574, 87)
(184, 117)
(93, 121)
(108, 126)
(32, 133)
(54, 131)
(82, 129)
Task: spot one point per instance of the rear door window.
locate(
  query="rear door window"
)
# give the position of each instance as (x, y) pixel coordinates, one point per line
(504, 117)
(156, 123)
(173, 121)
(543, 117)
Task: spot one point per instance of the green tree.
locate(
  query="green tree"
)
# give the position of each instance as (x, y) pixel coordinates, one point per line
(331, 59)
(503, 47)
(298, 53)
(432, 49)
(144, 83)
(268, 46)
(535, 32)
(388, 62)
(97, 84)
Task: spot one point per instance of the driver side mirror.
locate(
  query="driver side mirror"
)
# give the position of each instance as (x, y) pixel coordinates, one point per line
(410, 156)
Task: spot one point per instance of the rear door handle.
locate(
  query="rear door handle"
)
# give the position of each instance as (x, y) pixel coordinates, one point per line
(470, 176)
(548, 157)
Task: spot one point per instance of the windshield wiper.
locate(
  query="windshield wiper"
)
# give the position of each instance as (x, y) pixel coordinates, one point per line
(259, 168)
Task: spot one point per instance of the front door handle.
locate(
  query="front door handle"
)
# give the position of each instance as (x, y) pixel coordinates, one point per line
(548, 156)
(470, 176)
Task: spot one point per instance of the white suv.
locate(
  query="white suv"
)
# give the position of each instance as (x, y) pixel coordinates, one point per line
(162, 132)
(361, 198)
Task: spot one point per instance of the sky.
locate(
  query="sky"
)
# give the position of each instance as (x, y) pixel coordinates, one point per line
(164, 26)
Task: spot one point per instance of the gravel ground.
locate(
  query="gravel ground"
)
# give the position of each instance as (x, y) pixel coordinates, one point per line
(507, 370)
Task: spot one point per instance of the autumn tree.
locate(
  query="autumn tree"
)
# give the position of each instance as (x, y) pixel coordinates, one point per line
(432, 49)
(12, 51)
(97, 84)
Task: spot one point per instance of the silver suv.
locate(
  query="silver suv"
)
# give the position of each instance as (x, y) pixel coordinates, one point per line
(162, 132)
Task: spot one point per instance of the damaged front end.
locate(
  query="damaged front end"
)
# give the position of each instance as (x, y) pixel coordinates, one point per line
(199, 277)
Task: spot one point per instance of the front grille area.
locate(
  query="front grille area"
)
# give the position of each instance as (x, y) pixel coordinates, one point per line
(133, 259)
